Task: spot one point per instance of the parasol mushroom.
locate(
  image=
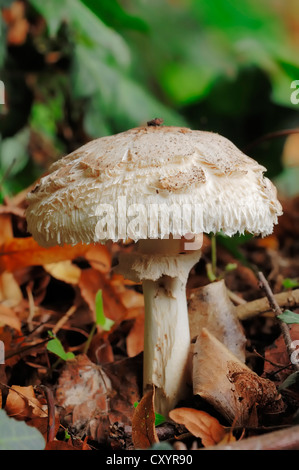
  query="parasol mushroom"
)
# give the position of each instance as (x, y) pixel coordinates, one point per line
(155, 185)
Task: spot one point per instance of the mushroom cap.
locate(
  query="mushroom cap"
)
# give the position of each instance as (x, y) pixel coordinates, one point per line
(150, 182)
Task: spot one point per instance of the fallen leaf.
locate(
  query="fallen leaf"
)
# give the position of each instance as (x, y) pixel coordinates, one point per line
(229, 385)
(83, 393)
(6, 232)
(18, 253)
(60, 445)
(277, 358)
(10, 291)
(200, 424)
(135, 339)
(22, 403)
(9, 317)
(143, 423)
(65, 271)
(271, 242)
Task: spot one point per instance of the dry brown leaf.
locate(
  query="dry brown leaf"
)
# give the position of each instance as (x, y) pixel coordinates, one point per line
(83, 392)
(18, 253)
(6, 231)
(10, 291)
(9, 317)
(277, 357)
(60, 445)
(135, 339)
(99, 257)
(143, 423)
(22, 403)
(229, 385)
(271, 242)
(65, 271)
(200, 424)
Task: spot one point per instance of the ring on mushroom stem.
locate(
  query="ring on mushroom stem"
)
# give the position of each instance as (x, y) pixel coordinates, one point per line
(154, 166)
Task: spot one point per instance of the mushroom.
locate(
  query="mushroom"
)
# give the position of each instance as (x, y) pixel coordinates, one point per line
(158, 186)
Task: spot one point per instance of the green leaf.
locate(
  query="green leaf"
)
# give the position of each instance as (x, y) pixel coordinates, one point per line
(55, 347)
(17, 435)
(159, 419)
(289, 317)
(88, 29)
(101, 320)
(290, 380)
(230, 267)
(290, 283)
(113, 14)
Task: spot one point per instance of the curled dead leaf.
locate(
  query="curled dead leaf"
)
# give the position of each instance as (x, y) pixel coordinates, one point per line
(200, 424)
(22, 403)
(9, 317)
(143, 422)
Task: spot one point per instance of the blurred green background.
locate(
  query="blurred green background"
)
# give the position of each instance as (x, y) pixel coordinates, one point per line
(74, 70)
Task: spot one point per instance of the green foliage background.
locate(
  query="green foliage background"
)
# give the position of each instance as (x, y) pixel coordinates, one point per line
(90, 68)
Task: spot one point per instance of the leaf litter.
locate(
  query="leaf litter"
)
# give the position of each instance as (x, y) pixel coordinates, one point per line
(94, 388)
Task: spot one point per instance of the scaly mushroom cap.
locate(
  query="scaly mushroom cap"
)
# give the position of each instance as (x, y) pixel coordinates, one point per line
(108, 181)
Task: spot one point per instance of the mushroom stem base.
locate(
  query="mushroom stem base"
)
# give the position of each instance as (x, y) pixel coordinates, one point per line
(167, 341)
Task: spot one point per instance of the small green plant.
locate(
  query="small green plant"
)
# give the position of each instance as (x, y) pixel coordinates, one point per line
(101, 320)
(290, 283)
(55, 347)
(159, 419)
(292, 379)
(289, 317)
(211, 268)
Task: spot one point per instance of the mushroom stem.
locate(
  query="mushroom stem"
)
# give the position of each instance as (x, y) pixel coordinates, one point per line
(166, 341)
(163, 269)
(167, 333)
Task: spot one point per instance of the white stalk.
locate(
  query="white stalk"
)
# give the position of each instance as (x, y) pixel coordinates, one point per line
(166, 341)
(167, 333)
(163, 270)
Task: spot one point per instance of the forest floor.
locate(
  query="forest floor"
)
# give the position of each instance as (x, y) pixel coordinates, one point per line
(76, 377)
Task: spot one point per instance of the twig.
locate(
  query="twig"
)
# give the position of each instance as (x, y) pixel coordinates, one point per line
(271, 135)
(64, 319)
(51, 413)
(288, 299)
(277, 310)
(284, 439)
